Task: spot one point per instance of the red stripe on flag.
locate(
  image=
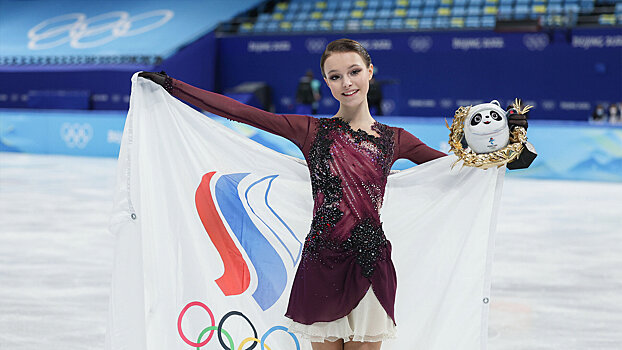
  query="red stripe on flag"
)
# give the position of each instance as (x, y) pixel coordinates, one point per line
(236, 278)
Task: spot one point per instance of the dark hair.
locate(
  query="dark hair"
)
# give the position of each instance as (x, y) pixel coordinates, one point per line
(344, 45)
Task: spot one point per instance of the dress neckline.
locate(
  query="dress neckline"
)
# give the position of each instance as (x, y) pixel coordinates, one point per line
(360, 132)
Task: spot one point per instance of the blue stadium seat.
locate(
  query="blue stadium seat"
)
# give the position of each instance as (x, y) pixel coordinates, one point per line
(353, 24)
(260, 27)
(382, 23)
(329, 15)
(312, 26)
(345, 5)
(458, 11)
(370, 13)
(429, 3)
(505, 11)
(413, 12)
(555, 8)
(472, 22)
(339, 24)
(460, 2)
(264, 16)
(373, 4)
(474, 10)
(343, 14)
(476, 2)
(426, 23)
(298, 26)
(396, 23)
(586, 6)
(302, 16)
(272, 27)
(571, 7)
(385, 13)
(521, 11)
(488, 21)
(429, 11)
(441, 22)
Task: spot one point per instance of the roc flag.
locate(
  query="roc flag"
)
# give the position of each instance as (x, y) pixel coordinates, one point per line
(210, 225)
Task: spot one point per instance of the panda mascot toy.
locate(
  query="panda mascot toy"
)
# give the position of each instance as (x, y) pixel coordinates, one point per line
(486, 128)
(486, 135)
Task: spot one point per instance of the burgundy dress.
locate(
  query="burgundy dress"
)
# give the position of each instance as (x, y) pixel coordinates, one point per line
(346, 250)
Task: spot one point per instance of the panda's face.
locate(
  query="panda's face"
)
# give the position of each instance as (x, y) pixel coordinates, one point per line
(486, 121)
(486, 129)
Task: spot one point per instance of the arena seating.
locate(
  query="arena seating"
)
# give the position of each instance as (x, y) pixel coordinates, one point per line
(396, 15)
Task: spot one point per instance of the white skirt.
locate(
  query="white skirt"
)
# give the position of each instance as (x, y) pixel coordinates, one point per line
(367, 322)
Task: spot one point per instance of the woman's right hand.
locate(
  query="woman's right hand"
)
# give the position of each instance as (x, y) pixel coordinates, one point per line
(158, 78)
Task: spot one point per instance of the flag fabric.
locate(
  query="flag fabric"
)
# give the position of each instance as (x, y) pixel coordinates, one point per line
(210, 226)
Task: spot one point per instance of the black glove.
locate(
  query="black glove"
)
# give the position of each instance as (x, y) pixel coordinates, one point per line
(159, 78)
(515, 119)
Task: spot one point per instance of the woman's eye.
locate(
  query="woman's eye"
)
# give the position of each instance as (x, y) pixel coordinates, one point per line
(356, 71)
(495, 116)
(334, 77)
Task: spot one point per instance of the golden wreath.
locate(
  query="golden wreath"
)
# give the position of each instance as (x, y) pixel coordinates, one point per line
(498, 158)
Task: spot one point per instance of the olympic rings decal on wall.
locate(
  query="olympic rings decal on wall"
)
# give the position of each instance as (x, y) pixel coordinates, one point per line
(77, 28)
(222, 332)
(76, 135)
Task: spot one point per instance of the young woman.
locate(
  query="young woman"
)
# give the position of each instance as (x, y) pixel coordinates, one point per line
(343, 293)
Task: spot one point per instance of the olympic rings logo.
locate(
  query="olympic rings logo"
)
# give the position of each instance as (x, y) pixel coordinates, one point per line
(45, 35)
(76, 135)
(222, 332)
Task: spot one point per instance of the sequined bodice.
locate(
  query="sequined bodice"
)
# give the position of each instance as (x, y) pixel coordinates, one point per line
(349, 172)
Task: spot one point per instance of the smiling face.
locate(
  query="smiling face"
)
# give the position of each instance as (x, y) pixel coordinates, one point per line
(487, 121)
(347, 77)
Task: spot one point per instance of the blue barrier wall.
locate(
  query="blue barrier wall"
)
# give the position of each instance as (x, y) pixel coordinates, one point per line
(563, 73)
(62, 132)
(566, 150)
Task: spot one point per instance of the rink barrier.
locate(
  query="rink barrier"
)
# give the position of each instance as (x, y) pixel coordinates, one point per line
(566, 150)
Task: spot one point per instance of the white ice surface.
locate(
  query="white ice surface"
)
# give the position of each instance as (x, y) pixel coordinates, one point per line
(556, 284)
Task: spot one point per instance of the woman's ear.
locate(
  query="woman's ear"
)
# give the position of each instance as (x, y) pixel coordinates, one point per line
(371, 70)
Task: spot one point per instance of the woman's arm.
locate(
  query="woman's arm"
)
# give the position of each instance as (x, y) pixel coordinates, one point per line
(293, 127)
(413, 149)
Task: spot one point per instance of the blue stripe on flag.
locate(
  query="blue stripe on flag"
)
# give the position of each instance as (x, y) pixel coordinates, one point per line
(271, 273)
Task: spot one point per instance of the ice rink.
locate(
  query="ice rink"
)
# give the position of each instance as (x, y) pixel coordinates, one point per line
(557, 276)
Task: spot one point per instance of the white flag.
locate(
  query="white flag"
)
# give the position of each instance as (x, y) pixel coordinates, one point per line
(210, 225)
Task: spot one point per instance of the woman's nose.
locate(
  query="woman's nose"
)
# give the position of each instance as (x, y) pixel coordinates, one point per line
(347, 82)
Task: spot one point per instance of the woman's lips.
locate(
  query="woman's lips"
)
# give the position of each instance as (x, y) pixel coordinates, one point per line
(350, 93)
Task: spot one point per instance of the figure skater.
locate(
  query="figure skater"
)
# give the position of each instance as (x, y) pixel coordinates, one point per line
(343, 293)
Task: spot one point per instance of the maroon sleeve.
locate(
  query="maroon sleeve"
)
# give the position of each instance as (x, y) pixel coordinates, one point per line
(291, 126)
(413, 149)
